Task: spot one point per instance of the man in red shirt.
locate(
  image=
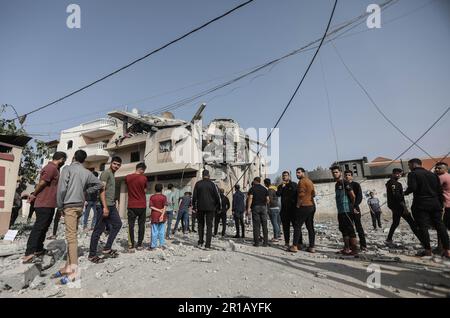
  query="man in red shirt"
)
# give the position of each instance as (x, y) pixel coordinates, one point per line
(44, 199)
(158, 204)
(137, 187)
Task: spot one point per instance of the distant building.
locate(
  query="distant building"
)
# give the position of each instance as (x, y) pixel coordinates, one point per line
(379, 168)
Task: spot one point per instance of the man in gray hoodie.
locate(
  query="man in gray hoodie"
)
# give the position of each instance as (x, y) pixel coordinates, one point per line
(74, 182)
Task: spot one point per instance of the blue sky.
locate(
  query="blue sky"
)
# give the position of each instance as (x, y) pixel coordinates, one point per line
(404, 65)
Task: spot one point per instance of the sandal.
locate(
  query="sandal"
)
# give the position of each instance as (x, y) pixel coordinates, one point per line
(110, 254)
(66, 280)
(44, 252)
(30, 260)
(58, 274)
(96, 260)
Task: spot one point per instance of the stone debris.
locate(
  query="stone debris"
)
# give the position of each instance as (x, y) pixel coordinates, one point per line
(320, 275)
(20, 276)
(230, 255)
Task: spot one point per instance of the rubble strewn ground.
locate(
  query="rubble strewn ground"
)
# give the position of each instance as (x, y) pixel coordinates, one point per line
(234, 268)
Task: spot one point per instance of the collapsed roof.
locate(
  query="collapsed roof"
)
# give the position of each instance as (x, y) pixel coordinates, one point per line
(146, 122)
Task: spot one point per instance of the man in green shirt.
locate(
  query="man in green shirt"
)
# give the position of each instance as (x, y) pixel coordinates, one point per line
(171, 207)
(110, 218)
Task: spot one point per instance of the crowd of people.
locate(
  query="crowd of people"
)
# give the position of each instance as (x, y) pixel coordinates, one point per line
(74, 191)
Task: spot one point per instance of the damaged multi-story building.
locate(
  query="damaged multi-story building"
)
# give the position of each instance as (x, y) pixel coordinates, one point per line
(175, 151)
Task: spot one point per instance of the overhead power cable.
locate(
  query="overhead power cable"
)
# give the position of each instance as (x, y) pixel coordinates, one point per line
(139, 59)
(334, 34)
(372, 102)
(293, 95)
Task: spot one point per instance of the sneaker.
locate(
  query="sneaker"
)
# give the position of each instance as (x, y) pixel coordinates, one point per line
(424, 253)
(311, 250)
(293, 249)
(256, 245)
(438, 250)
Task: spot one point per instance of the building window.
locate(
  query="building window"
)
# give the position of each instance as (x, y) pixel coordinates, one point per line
(355, 170)
(69, 144)
(102, 167)
(135, 156)
(346, 167)
(165, 146)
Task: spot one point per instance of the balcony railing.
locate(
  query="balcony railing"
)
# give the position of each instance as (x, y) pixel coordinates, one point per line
(95, 146)
(99, 123)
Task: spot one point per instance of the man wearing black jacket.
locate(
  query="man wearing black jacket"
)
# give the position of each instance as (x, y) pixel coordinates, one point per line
(288, 193)
(396, 202)
(427, 205)
(221, 215)
(356, 209)
(205, 201)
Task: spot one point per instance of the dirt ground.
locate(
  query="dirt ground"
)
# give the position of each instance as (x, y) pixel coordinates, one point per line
(234, 268)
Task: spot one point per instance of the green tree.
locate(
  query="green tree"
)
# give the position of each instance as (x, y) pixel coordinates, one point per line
(32, 152)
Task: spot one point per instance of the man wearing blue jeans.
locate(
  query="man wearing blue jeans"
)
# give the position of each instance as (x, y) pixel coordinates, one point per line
(183, 213)
(274, 209)
(171, 201)
(91, 200)
(110, 218)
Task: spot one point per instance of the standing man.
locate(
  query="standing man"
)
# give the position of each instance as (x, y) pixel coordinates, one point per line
(258, 199)
(238, 210)
(91, 204)
(348, 174)
(110, 217)
(17, 205)
(137, 188)
(304, 212)
(375, 210)
(427, 205)
(345, 200)
(441, 170)
(396, 202)
(205, 201)
(185, 203)
(44, 199)
(288, 193)
(171, 205)
(221, 215)
(74, 182)
(274, 209)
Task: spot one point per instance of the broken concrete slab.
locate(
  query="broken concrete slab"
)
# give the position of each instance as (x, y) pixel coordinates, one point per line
(20, 276)
(11, 249)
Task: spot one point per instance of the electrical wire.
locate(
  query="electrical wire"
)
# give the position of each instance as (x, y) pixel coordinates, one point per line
(139, 59)
(295, 92)
(354, 22)
(372, 102)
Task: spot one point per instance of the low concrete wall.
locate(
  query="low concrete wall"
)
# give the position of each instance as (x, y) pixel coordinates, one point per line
(325, 196)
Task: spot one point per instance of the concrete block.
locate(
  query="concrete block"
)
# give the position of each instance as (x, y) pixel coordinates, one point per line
(20, 276)
(11, 249)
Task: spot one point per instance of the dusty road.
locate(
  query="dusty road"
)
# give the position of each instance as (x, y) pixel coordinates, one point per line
(234, 268)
